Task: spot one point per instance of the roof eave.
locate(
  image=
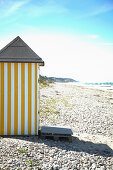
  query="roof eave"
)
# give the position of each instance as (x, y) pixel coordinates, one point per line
(41, 64)
(13, 61)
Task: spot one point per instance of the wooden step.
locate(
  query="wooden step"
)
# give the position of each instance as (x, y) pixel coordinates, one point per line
(56, 133)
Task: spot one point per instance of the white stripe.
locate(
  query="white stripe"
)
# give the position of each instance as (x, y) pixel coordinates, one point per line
(12, 98)
(19, 98)
(5, 98)
(37, 98)
(26, 99)
(0, 92)
(33, 99)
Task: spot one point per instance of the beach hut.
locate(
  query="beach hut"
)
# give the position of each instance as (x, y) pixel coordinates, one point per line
(19, 90)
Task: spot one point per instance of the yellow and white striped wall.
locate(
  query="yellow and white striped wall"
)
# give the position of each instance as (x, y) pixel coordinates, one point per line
(19, 98)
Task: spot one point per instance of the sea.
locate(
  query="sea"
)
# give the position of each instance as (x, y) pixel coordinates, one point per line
(101, 86)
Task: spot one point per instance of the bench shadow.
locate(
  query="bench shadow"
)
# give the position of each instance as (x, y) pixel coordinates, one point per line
(98, 149)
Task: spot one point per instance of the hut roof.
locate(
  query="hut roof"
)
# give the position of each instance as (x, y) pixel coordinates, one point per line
(18, 51)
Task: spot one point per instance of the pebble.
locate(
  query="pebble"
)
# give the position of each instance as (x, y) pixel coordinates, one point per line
(88, 112)
(94, 166)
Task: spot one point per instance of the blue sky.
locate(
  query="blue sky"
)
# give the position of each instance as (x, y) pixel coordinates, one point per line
(78, 32)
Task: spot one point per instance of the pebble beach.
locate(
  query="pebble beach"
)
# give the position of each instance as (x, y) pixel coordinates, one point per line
(87, 111)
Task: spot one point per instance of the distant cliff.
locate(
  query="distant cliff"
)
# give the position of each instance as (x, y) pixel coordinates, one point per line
(55, 79)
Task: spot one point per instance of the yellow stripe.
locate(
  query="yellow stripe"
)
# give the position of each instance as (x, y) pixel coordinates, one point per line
(29, 98)
(2, 99)
(15, 98)
(35, 99)
(22, 98)
(9, 100)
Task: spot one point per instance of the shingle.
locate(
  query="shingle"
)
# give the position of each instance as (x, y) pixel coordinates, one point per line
(18, 51)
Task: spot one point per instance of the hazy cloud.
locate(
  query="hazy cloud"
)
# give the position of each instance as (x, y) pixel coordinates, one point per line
(16, 6)
(107, 44)
(93, 36)
(11, 7)
(94, 10)
(104, 8)
(46, 8)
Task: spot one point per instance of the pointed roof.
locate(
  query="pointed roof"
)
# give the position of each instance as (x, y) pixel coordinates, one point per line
(18, 51)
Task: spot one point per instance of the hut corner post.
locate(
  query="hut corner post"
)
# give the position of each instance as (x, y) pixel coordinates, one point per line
(38, 98)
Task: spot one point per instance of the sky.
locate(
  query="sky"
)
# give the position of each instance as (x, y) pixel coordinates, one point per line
(73, 37)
